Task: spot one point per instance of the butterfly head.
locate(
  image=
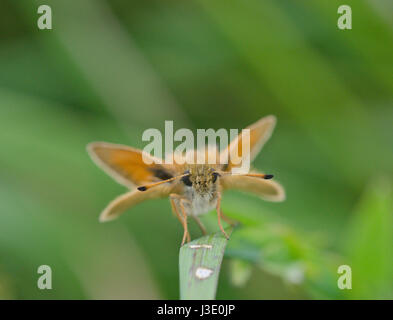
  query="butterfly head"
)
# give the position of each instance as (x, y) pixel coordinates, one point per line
(202, 178)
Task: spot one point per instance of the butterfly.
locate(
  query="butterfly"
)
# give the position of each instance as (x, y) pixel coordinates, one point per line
(192, 188)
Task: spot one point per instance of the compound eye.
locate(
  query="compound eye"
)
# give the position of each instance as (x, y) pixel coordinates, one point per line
(186, 180)
(215, 175)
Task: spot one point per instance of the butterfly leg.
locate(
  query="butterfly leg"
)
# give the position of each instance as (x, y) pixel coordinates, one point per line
(219, 213)
(183, 220)
(172, 198)
(183, 211)
(229, 220)
(200, 224)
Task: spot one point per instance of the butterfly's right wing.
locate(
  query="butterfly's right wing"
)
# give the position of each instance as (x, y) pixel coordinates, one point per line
(266, 189)
(260, 132)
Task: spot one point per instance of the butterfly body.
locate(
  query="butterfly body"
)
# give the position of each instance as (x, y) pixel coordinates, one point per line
(193, 187)
(201, 203)
(201, 189)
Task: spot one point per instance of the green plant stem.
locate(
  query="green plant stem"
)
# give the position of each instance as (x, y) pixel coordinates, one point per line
(199, 266)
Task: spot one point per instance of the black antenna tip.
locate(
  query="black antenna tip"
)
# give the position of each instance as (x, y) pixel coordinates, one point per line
(268, 176)
(142, 188)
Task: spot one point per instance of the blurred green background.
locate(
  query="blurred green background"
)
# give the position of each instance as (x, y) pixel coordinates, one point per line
(110, 69)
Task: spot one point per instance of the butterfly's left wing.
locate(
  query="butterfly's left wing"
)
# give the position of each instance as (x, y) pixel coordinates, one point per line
(128, 166)
(266, 189)
(132, 198)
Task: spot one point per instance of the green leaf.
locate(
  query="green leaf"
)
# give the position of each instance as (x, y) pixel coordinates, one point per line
(299, 260)
(370, 243)
(199, 266)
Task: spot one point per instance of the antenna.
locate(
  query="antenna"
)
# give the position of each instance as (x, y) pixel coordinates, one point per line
(255, 175)
(144, 188)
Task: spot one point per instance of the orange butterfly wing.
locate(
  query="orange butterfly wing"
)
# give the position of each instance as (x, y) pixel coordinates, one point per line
(268, 190)
(260, 132)
(126, 165)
